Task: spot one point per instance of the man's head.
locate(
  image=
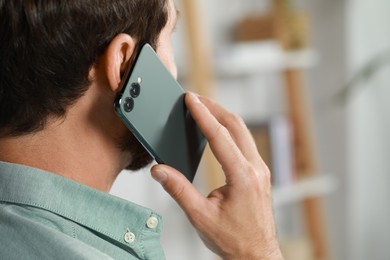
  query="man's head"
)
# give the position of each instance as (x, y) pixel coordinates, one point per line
(51, 52)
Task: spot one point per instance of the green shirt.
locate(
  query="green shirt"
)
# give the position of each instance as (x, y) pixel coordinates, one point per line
(46, 216)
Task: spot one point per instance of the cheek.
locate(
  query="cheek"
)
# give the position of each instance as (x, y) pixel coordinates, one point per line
(165, 52)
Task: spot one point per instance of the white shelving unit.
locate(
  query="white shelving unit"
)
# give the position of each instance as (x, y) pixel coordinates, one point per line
(250, 60)
(316, 186)
(246, 59)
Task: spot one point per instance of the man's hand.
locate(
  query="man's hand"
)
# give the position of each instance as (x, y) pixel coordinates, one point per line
(236, 220)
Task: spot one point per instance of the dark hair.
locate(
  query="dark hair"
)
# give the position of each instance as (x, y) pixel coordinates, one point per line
(47, 48)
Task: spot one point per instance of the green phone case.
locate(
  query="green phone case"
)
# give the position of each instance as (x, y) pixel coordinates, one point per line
(156, 114)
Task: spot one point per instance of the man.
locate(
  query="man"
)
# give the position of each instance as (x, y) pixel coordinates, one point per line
(62, 145)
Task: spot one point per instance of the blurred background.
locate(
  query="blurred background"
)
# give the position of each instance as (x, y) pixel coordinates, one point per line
(311, 79)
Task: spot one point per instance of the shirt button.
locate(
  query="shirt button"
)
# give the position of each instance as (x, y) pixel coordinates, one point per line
(129, 237)
(152, 222)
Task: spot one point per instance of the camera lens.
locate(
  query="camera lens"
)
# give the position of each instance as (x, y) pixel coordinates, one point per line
(135, 89)
(128, 105)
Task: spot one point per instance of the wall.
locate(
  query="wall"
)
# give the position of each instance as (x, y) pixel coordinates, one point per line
(328, 34)
(368, 128)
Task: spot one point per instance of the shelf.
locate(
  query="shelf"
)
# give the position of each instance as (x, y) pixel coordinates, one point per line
(246, 59)
(316, 186)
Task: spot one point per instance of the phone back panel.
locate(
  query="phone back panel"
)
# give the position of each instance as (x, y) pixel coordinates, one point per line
(159, 118)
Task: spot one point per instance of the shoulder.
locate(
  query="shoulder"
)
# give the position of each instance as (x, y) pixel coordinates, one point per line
(33, 233)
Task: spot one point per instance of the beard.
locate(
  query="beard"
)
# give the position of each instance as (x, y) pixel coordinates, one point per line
(140, 158)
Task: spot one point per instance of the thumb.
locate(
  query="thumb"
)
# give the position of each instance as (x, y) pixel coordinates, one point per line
(178, 187)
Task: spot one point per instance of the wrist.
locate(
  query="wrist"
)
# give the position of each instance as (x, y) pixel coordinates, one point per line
(271, 253)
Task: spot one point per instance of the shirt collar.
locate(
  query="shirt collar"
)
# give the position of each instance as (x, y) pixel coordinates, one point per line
(102, 212)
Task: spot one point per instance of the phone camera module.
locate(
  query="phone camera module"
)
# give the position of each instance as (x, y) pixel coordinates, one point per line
(135, 89)
(128, 105)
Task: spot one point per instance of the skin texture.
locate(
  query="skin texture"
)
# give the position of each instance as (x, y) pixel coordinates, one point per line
(235, 221)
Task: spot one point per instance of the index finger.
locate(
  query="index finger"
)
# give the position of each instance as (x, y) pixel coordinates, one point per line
(219, 138)
(237, 129)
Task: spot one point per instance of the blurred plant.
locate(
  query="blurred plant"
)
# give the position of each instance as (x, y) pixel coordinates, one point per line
(363, 76)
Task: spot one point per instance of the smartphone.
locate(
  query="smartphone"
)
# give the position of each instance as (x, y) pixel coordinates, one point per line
(151, 104)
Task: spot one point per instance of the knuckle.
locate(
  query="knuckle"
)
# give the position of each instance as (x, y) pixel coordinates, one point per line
(176, 191)
(250, 173)
(219, 131)
(267, 173)
(234, 120)
(240, 120)
(256, 176)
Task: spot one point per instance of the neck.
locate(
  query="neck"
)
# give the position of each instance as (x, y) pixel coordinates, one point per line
(72, 147)
(63, 154)
(81, 146)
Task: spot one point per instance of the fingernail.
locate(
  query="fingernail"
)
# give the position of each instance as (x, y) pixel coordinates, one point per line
(160, 176)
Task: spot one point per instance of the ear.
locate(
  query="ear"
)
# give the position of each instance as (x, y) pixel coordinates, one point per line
(117, 58)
